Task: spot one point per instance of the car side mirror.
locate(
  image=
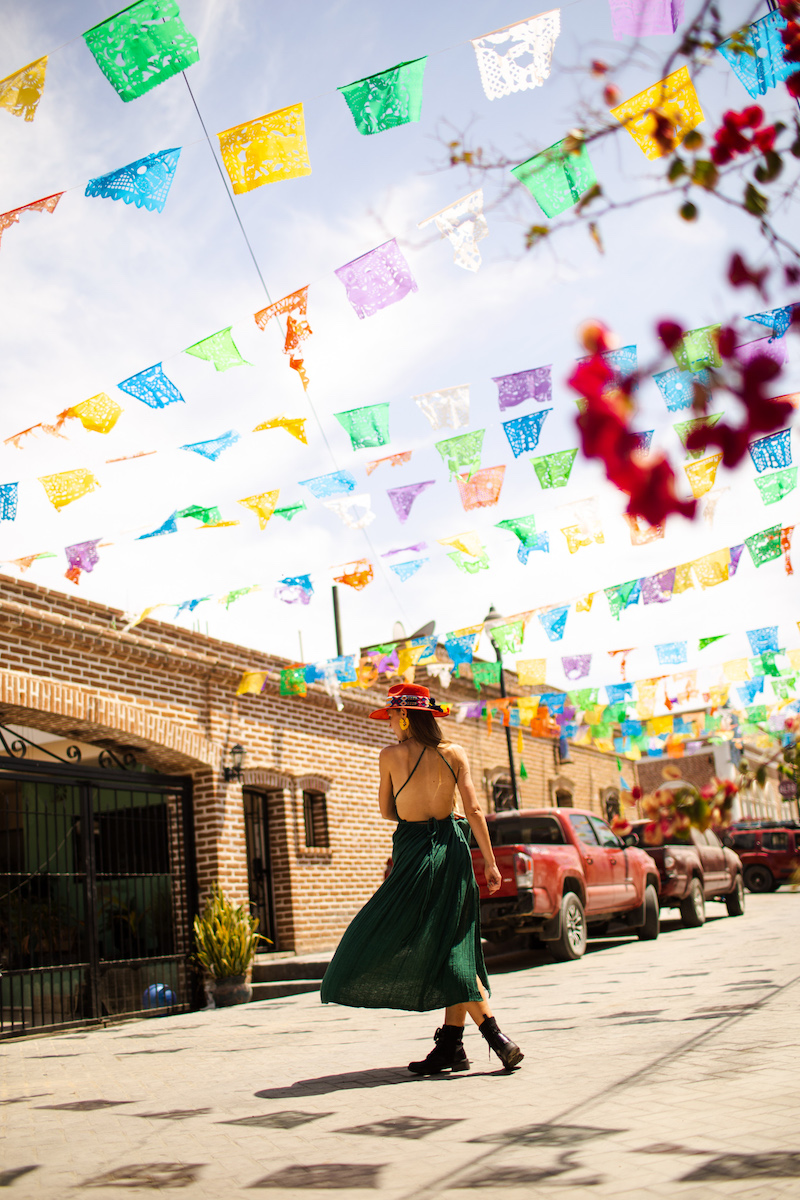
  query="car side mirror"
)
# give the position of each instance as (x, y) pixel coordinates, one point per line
(630, 839)
(727, 840)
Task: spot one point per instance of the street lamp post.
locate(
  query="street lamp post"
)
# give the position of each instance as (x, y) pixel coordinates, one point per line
(491, 621)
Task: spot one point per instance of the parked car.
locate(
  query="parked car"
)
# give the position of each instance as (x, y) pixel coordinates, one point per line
(693, 871)
(565, 876)
(769, 856)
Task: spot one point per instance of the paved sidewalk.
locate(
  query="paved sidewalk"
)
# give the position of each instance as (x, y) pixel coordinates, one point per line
(660, 1069)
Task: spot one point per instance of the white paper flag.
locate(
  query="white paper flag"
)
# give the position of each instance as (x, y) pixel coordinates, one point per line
(517, 57)
(464, 224)
(446, 408)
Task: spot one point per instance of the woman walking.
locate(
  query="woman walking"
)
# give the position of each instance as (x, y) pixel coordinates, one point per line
(416, 944)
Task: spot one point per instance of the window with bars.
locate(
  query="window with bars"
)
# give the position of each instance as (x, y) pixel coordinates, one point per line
(315, 815)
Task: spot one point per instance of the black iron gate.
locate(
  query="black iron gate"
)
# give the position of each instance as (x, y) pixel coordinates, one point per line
(97, 892)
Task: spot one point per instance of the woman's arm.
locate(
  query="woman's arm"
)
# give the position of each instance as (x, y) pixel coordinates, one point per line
(385, 791)
(477, 822)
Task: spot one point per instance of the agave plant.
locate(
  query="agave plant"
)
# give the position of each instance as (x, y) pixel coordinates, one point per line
(226, 936)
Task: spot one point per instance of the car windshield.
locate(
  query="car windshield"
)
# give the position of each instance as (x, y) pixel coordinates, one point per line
(525, 831)
(669, 841)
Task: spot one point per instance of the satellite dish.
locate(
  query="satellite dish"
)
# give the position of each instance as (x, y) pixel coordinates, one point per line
(425, 631)
(398, 631)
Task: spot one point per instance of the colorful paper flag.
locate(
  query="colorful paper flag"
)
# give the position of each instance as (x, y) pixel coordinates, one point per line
(558, 176)
(295, 589)
(757, 58)
(535, 384)
(289, 511)
(481, 490)
(508, 638)
(778, 320)
(402, 498)
(641, 533)
(296, 426)
(447, 408)
(764, 546)
(467, 543)
(46, 204)
(623, 595)
(152, 387)
(219, 349)
(673, 98)
(485, 674)
(81, 557)
(684, 428)
(772, 451)
(671, 653)
(169, 526)
(252, 682)
(712, 569)
(21, 91)
(377, 279)
(531, 671)
(66, 486)
(206, 516)
(331, 484)
(554, 622)
(214, 446)
(658, 588)
(762, 640)
(267, 149)
(262, 504)
(523, 432)
(679, 387)
(145, 182)
(707, 641)
(462, 454)
(142, 46)
(8, 501)
(405, 570)
(462, 644)
(99, 413)
(386, 100)
(368, 426)
(356, 574)
(553, 470)
(698, 348)
(295, 308)
(293, 681)
(645, 18)
(394, 460)
(517, 57)
(355, 512)
(470, 564)
(576, 666)
(464, 225)
(702, 474)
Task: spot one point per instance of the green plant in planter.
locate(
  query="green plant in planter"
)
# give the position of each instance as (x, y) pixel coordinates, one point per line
(226, 937)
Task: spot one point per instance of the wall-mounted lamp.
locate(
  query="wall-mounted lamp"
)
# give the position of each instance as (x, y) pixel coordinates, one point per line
(234, 770)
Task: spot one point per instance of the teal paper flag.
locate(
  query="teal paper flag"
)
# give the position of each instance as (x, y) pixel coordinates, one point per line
(557, 177)
(383, 101)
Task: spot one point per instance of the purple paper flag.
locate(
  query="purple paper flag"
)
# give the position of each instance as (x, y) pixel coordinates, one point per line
(576, 666)
(645, 18)
(83, 555)
(403, 497)
(773, 348)
(644, 441)
(377, 279)
(736, 554)
(415, 549)
(294, 589)
(536, 384)
(657, 589)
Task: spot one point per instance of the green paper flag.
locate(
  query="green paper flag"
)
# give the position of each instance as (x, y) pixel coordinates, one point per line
(557, 178)
(293, 681)
(208, 516)
(701, 645)
(470, 563)
(383, 101)
(290, 510)
(553, 470)
(765, 664)
(462, 454)
(785, 687)
(777, 484)
(764, 546)
(583, 698)
(523, 774)
(366, 427)
(618, 596)
(487, 674)
(236, 595)
(508, 638)
(757, 713)
(523, 527)
(698, 348)
(684, 428)
(220, 350)
(142, 46)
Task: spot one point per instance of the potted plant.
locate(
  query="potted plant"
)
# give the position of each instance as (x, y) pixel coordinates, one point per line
(226, 940)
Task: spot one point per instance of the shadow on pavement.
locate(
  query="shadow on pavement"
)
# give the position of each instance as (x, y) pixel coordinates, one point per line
(376, 1077)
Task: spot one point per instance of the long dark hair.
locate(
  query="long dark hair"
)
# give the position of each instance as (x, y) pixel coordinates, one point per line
(424, 728)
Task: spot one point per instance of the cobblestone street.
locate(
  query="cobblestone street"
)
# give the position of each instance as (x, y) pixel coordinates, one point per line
(652, 1069)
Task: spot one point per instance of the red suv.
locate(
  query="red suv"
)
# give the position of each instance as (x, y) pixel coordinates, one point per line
(769, 856)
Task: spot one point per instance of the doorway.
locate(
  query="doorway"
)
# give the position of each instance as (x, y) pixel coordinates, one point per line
(259, 863)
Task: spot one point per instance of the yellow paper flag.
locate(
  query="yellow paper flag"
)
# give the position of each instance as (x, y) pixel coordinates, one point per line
(646, 693)
(718, 695)
(527, 706)
(251, 681)
(660, 725)
(794, 659)
(266, 150)
(712, 569)
(99, 413)
(21, 92)
(296, 426)
(67, 486)
(408, 657)
(468, 543)
(263, 505)
(702, 475)
(531, 670)
(585, 604)
(736, 670)
(683, 578)
(670, 107)
(576, 537)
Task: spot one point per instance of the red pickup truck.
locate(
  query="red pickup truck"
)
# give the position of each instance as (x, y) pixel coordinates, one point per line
(565, 875)
(695, 869)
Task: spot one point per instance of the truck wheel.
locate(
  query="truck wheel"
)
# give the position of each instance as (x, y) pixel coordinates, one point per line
(776, 884)
(693, 908)
(571, 943)
(649, 931)
(758, 879)
(734, 901)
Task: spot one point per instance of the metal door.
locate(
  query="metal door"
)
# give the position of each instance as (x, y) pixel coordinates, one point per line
(96, 894)
(259, 872)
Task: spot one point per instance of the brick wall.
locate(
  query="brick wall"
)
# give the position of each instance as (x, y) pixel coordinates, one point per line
(168, 694)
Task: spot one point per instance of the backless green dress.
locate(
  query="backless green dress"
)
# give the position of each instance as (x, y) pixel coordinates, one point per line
(416, 944)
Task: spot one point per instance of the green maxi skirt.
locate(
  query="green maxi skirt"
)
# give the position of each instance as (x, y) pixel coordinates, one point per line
(416, 944)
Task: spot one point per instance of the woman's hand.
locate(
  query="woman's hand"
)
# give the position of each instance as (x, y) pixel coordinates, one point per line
(493, 877)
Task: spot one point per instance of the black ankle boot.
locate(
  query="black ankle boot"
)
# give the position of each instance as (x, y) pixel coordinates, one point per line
(507, 1051)
(447, 1055)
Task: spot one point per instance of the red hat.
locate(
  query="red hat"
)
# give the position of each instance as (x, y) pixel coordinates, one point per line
(410, 695)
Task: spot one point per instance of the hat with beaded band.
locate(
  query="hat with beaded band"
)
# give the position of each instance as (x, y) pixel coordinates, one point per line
(410, 696)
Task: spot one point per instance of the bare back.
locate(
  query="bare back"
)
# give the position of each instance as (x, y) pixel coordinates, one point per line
(431, 790)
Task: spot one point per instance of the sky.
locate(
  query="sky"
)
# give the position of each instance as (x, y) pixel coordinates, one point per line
(100, 290)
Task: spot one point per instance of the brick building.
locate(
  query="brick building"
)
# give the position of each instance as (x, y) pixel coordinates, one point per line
(299, 837)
